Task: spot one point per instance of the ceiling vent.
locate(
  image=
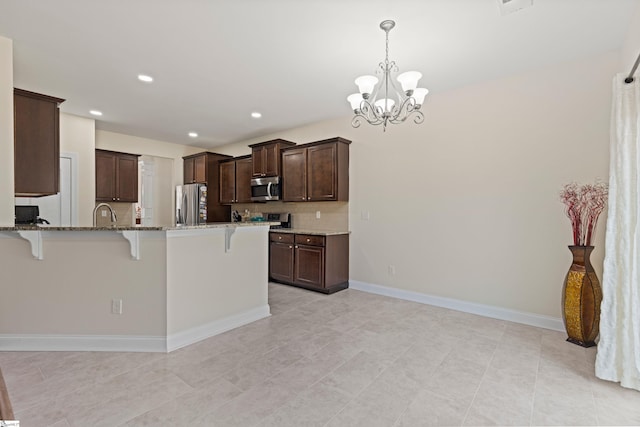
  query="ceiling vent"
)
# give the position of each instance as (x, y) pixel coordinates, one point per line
(510, 6)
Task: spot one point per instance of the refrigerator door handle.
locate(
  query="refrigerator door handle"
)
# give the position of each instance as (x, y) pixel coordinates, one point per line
(185, 208)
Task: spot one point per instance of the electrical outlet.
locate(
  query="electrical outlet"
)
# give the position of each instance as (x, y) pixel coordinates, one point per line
(317, 214)
(103, 212)
(116, 306)
(392, 270)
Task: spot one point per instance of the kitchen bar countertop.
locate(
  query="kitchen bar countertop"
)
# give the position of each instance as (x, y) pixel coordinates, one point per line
(312, 232)
(178, 285)
(138, 227)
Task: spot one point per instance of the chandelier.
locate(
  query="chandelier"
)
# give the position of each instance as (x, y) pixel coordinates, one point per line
(379, 104)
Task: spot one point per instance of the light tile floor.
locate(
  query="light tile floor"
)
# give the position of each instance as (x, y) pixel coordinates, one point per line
(348, 359)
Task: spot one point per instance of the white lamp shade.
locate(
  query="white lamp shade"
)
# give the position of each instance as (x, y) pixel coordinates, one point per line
(381, 104)
(419, 95)
(366, 83)
(409, 80)
(355, 99)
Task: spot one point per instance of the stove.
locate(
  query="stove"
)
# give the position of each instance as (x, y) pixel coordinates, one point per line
(283, 218)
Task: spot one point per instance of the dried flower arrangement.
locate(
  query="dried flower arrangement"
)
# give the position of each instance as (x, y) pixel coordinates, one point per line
(584, 204)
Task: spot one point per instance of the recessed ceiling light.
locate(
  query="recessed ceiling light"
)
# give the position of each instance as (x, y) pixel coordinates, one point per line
(95, 112)
(193, 134)
(145, 78)
(256, 115)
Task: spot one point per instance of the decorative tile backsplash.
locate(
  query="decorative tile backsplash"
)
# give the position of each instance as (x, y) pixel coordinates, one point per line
(124, 212)
(334, 216)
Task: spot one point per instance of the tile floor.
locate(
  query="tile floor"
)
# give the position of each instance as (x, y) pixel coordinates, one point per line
(349, 359)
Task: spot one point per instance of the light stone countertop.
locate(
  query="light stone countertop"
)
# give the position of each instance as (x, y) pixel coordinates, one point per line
(139, 227)
(312, 232)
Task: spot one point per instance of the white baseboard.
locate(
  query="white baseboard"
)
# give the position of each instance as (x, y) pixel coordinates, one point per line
(83, 343)
(199, 333)
(494, 312)
(152, 344)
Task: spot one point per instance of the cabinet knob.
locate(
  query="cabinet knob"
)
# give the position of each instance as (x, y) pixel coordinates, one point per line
(296, 246)
(114, 199)
(308, 240)
(290, 247)
(280, 238)
(118, 198)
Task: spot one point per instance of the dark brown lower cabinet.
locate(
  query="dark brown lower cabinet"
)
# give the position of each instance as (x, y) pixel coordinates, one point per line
(315, 262)
(282, 253)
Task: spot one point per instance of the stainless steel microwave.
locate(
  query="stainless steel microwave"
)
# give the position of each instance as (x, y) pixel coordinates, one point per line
(265, 189)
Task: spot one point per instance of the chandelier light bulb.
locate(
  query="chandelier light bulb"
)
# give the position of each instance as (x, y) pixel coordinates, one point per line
(385, 106)
(419, 95)
(355, 99)
(366, 85)
(409, 81)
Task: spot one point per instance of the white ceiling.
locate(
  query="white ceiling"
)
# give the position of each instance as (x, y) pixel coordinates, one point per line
(214, 62)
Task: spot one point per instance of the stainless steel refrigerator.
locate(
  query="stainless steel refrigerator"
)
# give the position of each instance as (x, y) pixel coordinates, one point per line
(191, 204)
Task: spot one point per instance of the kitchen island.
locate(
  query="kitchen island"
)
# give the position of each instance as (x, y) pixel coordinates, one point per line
(129, 288)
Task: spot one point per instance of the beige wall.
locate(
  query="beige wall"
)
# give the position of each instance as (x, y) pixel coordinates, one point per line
(6, 133)
(206, 284)
(69, 292)
(631, 47)
(466, 204)
(77, 135)
(185, 287)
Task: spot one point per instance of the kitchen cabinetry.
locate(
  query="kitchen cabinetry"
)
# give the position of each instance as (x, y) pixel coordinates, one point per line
(116, 176)
(281, 257)
(195, 169)
(316, 262)
(235, 180)
(265, 157)
(318, 171)
(36, 144)
(204, 168)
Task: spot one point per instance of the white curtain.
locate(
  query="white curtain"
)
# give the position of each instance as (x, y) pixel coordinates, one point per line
(618, 357)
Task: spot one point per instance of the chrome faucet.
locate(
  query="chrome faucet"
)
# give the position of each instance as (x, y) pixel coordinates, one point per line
(114, 218)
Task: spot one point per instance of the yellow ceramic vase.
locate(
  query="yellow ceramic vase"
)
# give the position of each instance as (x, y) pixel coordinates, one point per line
(581, 298)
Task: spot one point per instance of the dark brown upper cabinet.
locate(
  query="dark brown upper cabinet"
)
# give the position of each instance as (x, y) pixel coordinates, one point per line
(36, 143)
(204, 168)
(318, 171)
(235, 180)
(195, 169)
(116, 177)
(265, 157)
